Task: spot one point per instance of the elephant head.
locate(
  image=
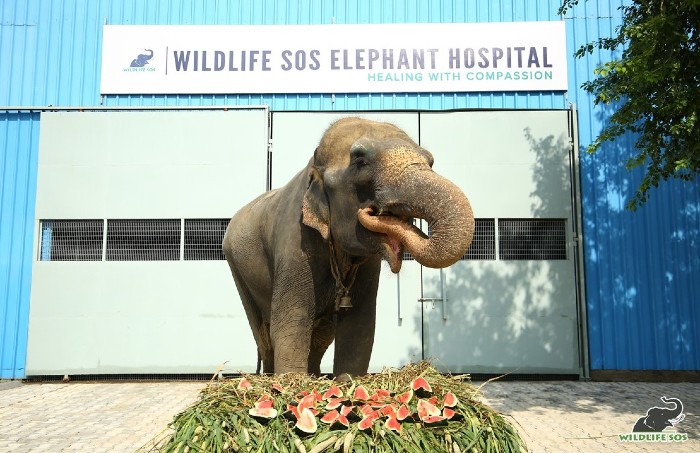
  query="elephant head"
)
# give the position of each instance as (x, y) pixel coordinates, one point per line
(368, 181)
(658, 418)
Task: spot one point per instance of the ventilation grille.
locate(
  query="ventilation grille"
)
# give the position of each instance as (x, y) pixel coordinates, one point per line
(143, 240)
(483, 245)
(518, 239)
(132, 240)
(203, 238)
(200, 239)
(532, 239)
(71, 240)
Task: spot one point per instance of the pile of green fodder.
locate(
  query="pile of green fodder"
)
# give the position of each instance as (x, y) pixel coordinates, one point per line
(394, 410)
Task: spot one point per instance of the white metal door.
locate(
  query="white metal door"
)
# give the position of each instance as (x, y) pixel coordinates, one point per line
(510, 306)
(138, 311)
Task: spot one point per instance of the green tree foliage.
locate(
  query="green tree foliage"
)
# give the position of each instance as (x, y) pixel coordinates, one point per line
(656, 84)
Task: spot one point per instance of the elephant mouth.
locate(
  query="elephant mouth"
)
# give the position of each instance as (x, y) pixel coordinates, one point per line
(392, 225)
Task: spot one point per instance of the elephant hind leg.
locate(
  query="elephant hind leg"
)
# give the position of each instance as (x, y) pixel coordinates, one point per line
(321, 339)
(265, 351)
(259, 327)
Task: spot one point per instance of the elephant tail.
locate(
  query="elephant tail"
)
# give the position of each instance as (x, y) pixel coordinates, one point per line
(257, 370)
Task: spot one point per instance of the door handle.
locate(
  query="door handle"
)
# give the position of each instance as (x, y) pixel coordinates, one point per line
(442, 298)
(398, 299)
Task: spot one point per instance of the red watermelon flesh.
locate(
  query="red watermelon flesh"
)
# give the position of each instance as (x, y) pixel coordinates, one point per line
(393, 424)
(263, 414)
(341, 423)
(330, 417)
(405, 397)
(403, 413)
(450, 400)
(333, 392)
(361, 393)
(450, 414)
(366, 423)
(434, 420)
(421, 387)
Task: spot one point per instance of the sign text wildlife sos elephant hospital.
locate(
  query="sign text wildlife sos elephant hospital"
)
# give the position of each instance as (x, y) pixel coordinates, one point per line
(454, 57)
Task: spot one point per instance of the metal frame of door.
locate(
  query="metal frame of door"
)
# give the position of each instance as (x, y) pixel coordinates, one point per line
(577, 326)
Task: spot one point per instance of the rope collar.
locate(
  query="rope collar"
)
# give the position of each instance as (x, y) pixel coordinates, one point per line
(342, 288)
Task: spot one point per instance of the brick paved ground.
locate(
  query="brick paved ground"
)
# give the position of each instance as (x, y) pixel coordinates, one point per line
(123, 417)
(89, 417)
(588, 416)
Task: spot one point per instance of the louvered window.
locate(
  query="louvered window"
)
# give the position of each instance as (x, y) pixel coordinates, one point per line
(203, 238)
(143, 240)
(532, 239)
(71, 240)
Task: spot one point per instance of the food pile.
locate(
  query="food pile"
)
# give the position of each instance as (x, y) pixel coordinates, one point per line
(414, 409)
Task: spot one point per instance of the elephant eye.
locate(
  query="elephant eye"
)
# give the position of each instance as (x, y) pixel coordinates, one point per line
(360, 162)
(359, 159)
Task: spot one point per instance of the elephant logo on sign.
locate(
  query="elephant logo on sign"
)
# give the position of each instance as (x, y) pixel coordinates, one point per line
(142, 59)
(658, 418)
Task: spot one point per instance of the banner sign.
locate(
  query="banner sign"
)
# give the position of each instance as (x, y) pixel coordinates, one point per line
(389, 58)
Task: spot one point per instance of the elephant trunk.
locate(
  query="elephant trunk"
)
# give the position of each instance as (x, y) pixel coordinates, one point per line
(675, 412)
(424, 194)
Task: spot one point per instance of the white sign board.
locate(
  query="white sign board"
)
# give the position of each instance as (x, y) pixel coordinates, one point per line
(389, 58)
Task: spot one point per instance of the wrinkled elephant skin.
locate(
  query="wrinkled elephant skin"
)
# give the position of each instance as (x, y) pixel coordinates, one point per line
(306, 257)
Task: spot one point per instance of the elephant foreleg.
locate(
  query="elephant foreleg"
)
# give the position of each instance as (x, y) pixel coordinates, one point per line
(291, 326)
(354, 336)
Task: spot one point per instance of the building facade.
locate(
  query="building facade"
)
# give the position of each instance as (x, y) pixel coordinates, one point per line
(83, 172)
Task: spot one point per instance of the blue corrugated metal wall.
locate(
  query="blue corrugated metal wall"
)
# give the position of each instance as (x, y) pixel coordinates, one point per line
(641, 267)
(19, 135)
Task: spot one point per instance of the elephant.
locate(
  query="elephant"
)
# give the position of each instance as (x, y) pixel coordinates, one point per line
(306, 257)
(141, 60)
(658, 418)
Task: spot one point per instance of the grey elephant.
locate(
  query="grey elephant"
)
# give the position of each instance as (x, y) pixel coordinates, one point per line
(306, 257)
(658, 418)
(142, 59)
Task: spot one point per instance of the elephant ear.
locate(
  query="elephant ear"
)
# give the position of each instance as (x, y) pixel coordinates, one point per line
(314, 209)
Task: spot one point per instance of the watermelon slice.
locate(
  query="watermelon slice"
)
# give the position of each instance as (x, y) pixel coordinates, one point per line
(392, 424)
(450, 400)
(333, 392)
(451, 414)
(245, 384)
(434, 420)
(263, 415)
(426, 409)
(361, 393)
(306, 423)
(330, 417)
(405, 397)
(421, 387)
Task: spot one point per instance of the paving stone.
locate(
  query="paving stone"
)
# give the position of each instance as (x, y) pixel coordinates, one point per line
(551, 416)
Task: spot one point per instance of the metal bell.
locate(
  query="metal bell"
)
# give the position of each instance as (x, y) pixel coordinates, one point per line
(345, 302)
